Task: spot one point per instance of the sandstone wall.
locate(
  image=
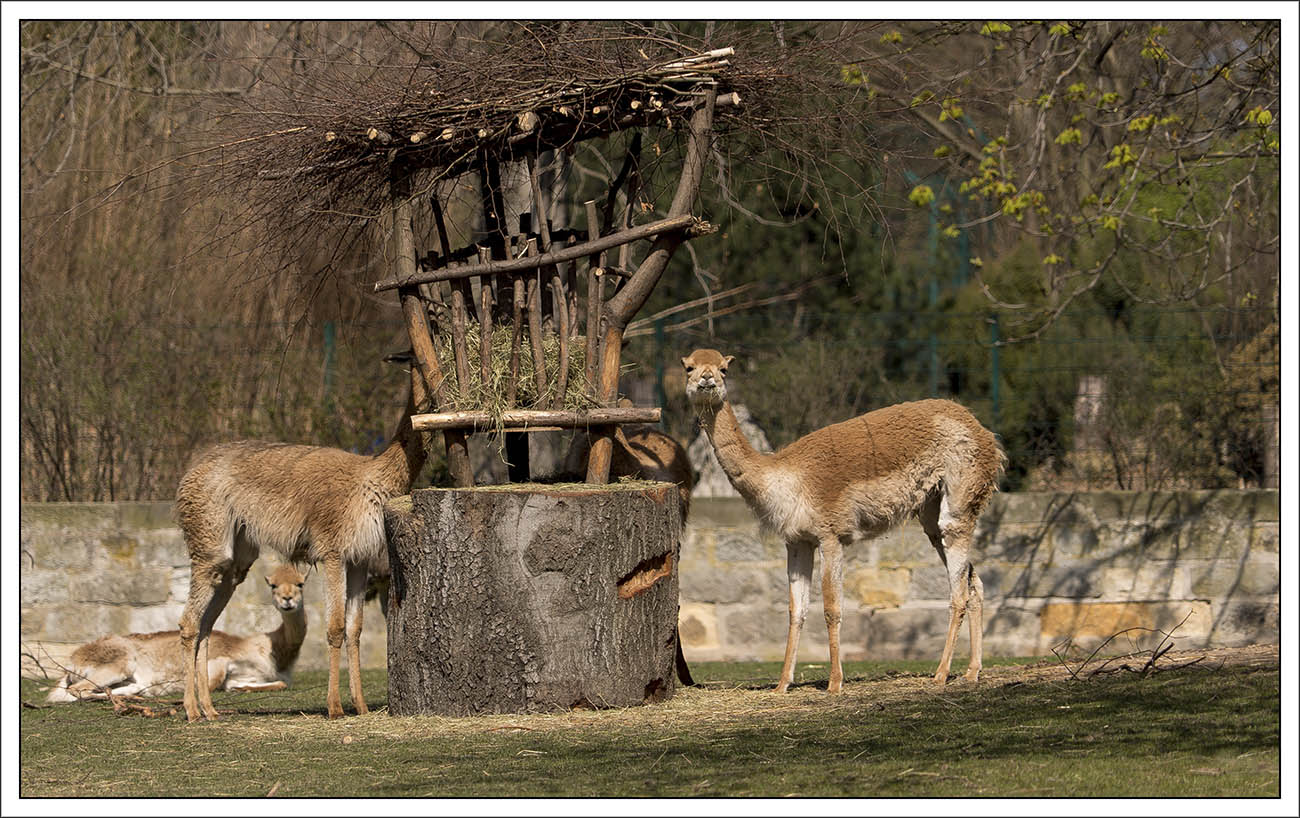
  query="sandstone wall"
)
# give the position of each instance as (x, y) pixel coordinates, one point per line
(1056, 568)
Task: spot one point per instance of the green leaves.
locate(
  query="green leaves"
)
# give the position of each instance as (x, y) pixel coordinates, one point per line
(1069, 136)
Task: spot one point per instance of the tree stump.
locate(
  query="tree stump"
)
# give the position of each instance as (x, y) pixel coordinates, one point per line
(526, 597)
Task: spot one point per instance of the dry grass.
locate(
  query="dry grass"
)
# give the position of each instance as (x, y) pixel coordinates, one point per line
(1209, 728)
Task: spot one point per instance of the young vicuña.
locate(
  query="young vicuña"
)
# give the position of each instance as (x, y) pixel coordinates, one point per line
(150, 664)
(860, 478)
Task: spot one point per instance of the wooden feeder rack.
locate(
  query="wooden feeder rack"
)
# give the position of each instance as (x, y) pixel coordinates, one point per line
(531, 277)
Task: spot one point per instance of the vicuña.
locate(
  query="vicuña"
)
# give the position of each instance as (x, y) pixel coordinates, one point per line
(309, 504)
(860, 478)
(149, 664)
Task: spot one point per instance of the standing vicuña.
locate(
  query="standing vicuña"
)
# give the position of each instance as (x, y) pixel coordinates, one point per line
(861, 477)
(308, 503)
(150, 664)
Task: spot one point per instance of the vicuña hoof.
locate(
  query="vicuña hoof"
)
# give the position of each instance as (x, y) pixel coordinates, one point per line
(973, 675)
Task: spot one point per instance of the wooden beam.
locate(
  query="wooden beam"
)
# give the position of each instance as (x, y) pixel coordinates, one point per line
(430, 378)
(530, 418)
(675, 224)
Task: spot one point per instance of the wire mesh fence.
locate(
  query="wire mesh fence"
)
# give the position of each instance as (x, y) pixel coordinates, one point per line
(1154, 399)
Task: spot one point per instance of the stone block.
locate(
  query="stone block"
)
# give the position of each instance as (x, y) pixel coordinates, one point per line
(31, 619)
(1148, 580)
(1074, 579)
(83, 623)
(162, 547)
(721, 512)
(57, 549)
(756, 631)
(697, 626)
(726, 584)
(1247, 623)
(80, 517)
(38, 586)
(126, 585)
(909, 633)
(1074, 531)
(743, 545)
(697, 545)
(146, 516)
(1265, 536)
(931, 582)
(1213, 579)
(1010, 630)
(904, 545)
(155, 618)
(1078, 621)
(878, 587)
(1016, 542)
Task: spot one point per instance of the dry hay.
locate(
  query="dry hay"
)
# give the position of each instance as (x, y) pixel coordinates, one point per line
(479, 396)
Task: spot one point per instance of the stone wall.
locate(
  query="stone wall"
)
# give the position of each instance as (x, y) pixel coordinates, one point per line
(1055, 567)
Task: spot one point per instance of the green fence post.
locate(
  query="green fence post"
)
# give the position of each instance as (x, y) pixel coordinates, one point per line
(661, 397)
(995, 376)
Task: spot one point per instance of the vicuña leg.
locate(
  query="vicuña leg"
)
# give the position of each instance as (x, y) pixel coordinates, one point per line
(356, 600)
(204, 605)
(975, 615)
(334, 627)
(832, 592)
(961, 576)
(798, 560)
(951, 539)
(230, 579)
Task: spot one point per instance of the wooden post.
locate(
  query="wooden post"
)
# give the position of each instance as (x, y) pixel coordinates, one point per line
(624, 304)
(430, 380)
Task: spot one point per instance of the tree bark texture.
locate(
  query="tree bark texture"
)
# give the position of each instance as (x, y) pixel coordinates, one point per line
(527, 598)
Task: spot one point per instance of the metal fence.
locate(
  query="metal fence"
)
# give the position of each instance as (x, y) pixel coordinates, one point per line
(1151, 399)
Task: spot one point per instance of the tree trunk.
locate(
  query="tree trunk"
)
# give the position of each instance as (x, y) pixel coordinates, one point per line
(521, 598)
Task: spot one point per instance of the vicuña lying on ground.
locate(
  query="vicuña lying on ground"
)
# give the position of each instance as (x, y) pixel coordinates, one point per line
(149, 664)
(860, 478)
(309, 504)
(642, 453)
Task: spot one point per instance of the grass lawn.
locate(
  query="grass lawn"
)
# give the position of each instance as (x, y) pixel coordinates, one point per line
(1022, 731)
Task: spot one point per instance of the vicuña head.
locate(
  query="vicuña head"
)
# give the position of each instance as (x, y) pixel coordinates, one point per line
(706, 378)
(858, 479)
(286, 588)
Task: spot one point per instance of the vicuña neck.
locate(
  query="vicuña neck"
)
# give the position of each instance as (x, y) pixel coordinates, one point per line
(286, 640)
(738, 459)
(402, 460)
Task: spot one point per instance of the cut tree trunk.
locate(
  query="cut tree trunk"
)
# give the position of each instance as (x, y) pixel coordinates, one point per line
(522, 598)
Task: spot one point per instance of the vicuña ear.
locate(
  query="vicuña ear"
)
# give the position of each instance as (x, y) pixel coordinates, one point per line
(270, 582)
(686, 363)
(727, 361)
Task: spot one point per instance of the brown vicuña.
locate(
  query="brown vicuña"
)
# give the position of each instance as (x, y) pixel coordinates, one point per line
(642, 453)
(150, 664)
(309, 504)
(860, 478)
